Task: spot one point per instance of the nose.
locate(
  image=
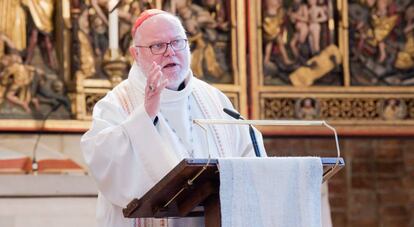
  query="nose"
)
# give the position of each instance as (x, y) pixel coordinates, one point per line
(169, 51)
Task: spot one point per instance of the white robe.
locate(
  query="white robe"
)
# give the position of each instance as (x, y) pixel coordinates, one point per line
(127, 155)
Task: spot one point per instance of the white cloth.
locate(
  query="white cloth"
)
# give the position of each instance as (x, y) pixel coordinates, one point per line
(127, 154)
(326, 208)
(271, 192)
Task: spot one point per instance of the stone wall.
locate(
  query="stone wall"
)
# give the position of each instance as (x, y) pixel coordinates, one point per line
(376, 188)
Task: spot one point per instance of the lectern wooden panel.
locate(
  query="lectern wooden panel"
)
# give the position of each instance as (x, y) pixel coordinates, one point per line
(191, 184)
(176, 195)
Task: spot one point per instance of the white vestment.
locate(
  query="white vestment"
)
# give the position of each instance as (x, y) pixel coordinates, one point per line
(127, 154)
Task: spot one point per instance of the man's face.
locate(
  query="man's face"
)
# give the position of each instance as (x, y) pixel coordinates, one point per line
(175, 64)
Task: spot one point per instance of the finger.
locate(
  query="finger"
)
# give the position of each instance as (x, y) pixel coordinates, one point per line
(152, 73)
(158, 82)
(152, 80)
(148, 90)
(150, 77)
(152, 89)
(154, 76)
(157, 77)
(162, 85)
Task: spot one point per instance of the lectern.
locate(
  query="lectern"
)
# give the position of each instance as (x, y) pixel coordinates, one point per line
(192, 189)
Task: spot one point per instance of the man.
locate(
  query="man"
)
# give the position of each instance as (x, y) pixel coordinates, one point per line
(143, 127)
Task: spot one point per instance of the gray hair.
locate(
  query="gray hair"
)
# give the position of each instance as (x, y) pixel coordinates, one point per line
(168, 15)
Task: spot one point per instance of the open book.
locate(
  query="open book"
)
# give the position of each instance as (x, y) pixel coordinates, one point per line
(16, 161)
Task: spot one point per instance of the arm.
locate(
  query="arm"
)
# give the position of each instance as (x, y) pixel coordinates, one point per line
(125, 153)
(409, 28)
(301, 15)
(304, 15)
(6, 75)
(322, 14)
(95, 5)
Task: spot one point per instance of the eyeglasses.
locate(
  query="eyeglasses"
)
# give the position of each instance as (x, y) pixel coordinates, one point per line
(161, 48)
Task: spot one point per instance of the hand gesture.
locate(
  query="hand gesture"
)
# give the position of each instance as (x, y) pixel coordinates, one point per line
(155, 84)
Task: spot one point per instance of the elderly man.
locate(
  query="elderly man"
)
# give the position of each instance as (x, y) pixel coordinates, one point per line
(143, 127)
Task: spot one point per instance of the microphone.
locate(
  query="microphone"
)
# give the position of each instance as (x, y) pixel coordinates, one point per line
(234, 114)
(35, 166)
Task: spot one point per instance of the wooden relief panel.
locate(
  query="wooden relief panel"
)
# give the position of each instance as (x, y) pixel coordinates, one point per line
(298, 43)
(348, 62)
(32, 65)
(213, 31)
(59, 58)
(368, 108)
(381, 43)
(216, 31)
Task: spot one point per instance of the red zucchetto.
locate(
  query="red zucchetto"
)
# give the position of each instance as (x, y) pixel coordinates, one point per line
(143, 17)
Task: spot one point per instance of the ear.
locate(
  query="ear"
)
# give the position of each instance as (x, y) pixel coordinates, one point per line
(133, 52)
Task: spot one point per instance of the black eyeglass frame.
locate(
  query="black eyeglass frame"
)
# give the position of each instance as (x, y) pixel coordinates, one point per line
(166, 46)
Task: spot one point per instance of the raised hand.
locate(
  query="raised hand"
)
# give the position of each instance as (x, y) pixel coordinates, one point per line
(155, 84)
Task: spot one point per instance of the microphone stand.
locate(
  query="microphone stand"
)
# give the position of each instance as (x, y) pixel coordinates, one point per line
(237, 116)
(35, 166)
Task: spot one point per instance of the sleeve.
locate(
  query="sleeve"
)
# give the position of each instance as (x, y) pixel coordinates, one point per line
(125, 153)
(242, 139)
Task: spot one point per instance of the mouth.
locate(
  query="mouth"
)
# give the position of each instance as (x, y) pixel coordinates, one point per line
(170, 65)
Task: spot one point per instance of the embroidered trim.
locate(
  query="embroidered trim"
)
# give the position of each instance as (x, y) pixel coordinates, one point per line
(208, 116)
(122, 95)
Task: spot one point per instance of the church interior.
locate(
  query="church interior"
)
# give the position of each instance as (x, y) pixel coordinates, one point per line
(349, 63)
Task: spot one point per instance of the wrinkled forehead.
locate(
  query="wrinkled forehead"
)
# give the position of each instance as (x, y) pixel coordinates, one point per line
(158, 27)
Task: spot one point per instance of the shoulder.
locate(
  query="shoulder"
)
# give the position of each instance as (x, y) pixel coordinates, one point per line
(109, 106)
(205, 87)
(196, 8)
(112, 96)
(107, 102)
(212, 92)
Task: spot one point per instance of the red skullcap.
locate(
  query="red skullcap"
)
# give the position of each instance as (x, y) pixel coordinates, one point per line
(143, 17)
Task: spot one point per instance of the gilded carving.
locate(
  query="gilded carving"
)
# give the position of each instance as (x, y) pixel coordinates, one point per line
(93, 55)
(13, 23)
(339, 109)
(299, 48)
(86, 56)
(91, 100)
(342, 61)
(381, 42)
(282, 108)
(208, 28)
(410, 108)
(29, 69)
(307, 109)
(16, 78)
(405, 56)
(394, 109)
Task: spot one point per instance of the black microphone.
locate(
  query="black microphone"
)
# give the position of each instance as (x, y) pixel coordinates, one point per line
(35, 166)
(234, 114)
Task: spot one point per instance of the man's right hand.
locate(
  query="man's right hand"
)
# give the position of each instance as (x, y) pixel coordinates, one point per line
(155, 84)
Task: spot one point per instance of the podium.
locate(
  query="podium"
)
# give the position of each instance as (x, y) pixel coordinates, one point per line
(191, 189)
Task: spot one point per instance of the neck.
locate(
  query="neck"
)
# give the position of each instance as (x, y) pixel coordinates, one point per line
(179, 88)
(174, 87)
(181, 85)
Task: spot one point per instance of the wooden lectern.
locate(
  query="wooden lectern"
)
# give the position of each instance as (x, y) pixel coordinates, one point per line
(191, 186)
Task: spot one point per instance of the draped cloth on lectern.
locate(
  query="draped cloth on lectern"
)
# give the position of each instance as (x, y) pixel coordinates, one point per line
(277, 192)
